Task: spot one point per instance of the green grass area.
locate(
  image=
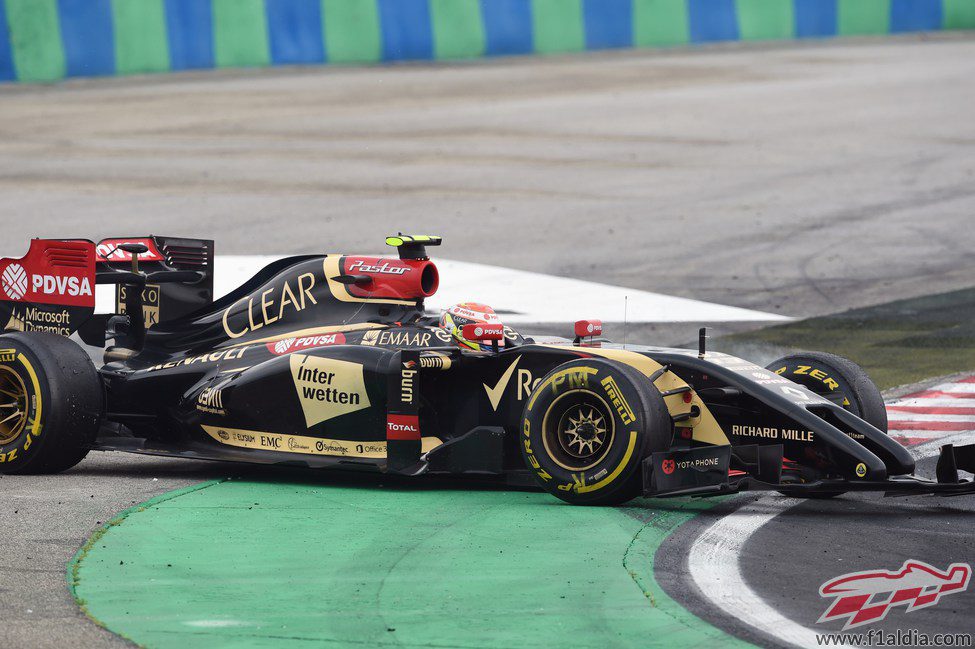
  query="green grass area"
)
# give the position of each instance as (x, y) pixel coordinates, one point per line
(897, 343)
(354, 564)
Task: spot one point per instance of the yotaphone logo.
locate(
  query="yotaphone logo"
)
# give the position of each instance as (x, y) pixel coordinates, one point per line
(14, 281)
(868, 596)
(668, 466)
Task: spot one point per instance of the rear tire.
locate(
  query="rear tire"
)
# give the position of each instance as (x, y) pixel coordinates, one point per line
(840, 380)
(51, 403)
(588, 427)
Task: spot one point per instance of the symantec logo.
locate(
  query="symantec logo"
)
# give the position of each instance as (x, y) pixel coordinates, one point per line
(289, 345)
(868, 596)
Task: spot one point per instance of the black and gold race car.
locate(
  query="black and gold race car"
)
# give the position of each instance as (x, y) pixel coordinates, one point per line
(329, 361)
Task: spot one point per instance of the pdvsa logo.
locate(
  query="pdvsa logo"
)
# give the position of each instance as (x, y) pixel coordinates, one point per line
(61, 285)
(289, 345)
(14, 281)
(868, 596)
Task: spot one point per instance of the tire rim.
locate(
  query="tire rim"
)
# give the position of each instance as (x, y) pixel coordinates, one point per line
(578, 430)
(13, 405)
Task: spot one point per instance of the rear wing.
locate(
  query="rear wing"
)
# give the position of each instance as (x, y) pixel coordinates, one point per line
(52, 287)
(162, 301)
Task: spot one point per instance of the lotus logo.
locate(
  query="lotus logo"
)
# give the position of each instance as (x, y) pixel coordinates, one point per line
(668, 466)
(14, 281)
(224, 435)
(866, 597)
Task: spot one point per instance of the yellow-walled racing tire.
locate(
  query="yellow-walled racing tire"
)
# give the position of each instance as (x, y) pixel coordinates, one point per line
(51, 403)
(839, 380)
(587, 428)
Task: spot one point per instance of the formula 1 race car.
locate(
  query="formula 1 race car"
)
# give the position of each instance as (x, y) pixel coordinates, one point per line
(329, 361)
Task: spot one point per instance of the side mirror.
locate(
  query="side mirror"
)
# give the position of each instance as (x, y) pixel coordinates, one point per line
(588, 329)
(484, 333)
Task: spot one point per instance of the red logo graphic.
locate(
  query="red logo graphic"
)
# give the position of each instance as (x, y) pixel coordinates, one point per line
(288, 345)
(668, 466)
(108, 250)
(402, 427)
(15, 281)
(866, 597)
(52, 272)
(409, 365)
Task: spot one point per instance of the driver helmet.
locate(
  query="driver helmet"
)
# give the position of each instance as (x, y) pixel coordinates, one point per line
(453, 319)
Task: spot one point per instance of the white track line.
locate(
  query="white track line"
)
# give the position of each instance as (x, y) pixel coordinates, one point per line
(936, 402)
(968, 388)
(920, 416)
(714, 565)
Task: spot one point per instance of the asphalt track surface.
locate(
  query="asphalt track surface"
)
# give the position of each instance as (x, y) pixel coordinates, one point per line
(799, 179)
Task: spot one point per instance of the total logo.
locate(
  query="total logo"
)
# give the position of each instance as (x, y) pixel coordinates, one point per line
(289, 345)
(404, 427)
(15, 281)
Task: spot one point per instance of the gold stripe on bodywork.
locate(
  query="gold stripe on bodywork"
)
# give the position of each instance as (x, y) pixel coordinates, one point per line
(303, 444)
(706, 427)
(313, 331)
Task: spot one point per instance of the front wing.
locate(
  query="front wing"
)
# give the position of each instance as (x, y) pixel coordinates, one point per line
(720, 470)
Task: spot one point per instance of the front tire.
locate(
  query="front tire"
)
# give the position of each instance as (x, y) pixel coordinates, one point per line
(839, 380)
(51, 403)
(587, 428)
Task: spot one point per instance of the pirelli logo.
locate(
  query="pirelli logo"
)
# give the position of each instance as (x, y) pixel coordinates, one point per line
(7, 355)
(622, 407)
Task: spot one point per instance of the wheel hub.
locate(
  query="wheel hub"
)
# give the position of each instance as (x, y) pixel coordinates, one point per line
(13, 405)
(583, 432)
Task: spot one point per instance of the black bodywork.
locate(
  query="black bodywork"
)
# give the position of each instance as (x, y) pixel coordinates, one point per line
(329, 361)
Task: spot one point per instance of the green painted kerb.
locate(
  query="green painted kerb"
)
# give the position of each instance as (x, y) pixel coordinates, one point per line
(140, 36)
(959, 14)
(240, 36)
(35, 39)
(458, 32)
(557, 26)
(252, 564)
(351, 31)
(863, 17)
(660, 22)
(765, 19)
